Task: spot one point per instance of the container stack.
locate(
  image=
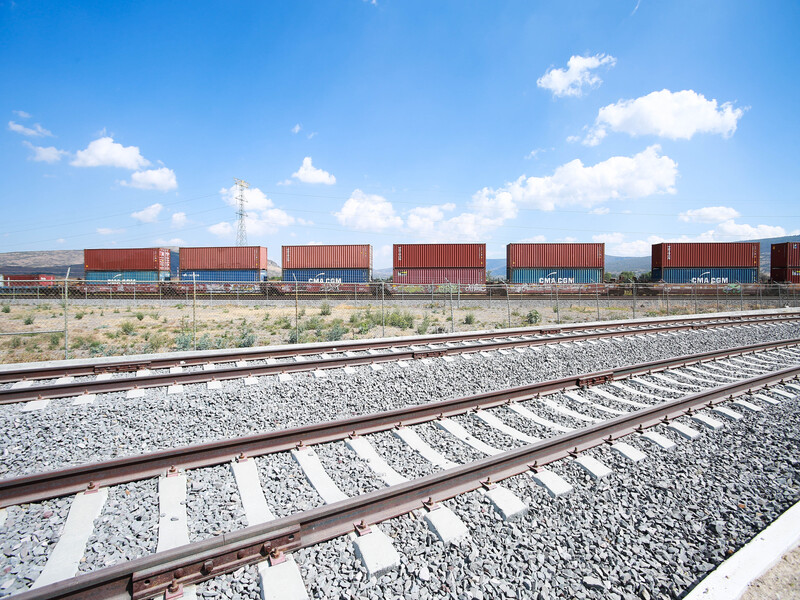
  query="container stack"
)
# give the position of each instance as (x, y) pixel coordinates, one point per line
(126, 265)
(223, 264)
(705, 262)
(785, 263)
(327, 264)
(439, 263)
(555, 263)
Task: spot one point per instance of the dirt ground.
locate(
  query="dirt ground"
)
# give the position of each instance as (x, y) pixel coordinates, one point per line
(34, 330)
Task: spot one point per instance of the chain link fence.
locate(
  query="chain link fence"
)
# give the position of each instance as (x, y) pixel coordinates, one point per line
(78, 320)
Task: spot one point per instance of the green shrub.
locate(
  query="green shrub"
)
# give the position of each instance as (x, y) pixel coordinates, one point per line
(325, 309)
(422, 328)
(403, 320)
(183, 341)
(301, 312)
(533, 317)
(128, 328)
(55, 340)
(15, 342)
(6, 308)
(293, 336)
(336, 332)
(140, 316)
(283, 323)
(79, 315)
(246, 336)
(28, 320)
(469, 319)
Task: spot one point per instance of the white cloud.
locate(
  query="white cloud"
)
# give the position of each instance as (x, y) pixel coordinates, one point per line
(618, 177)
(731, 231)
(308, 173)
(109, 231)
(368, 212)
(673, 115)
(22, 114)
(600, 210)
(105, 152)
(312, 135)
(254, 198)
(709, 214)
(36, 131)
(578, 74)
(50, 154)
(296, 129)
(534, 153)
(149, 214)
(178, 219)
(59, 240)
(285, 182)
(170, 242)
(162, 179)
(635, 248)
(568, 239)
(223, 229)
(536, 239)
(609, 238)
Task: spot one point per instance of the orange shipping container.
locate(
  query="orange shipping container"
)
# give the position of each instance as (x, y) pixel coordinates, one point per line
(785, 255)
(439, 255)
(705, 254)
(126, 259)
(327, 257)
(216, 258)
(582, 256)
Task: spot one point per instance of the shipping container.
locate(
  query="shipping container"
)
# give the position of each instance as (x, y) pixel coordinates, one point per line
(219, 258)
(785, 255)
(33, 280)
(785, 274)
(223, 275)
(327, 276)
(716, 275)
(705, 254)
(327, 257)
(439, 255)
(466, 275)
(2, 283)
(95, 277)
(550, 276)
(555, 255)
(126, 259)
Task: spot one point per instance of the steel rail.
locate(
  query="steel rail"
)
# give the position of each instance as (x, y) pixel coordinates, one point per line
(193, 563)
(67, 390)
(182, 359)
(51, 484)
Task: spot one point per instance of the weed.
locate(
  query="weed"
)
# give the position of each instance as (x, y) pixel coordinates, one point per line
(469, 319)
(533, 317)
(28, 320)
(6, 308)
(79, 315)
(422, 328)
(140, 316)
(128, 328)
(246, 336)
(15, 342)
(336, 332)
(325, 309)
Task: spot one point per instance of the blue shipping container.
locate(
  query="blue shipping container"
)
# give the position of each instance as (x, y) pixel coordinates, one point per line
(710, 275)
(550, 276)
(327, 275)
(225, 276)
(126, 276)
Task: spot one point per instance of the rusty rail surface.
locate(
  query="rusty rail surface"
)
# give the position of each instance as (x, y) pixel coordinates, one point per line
(66, 390)
(193, 563)
(51, 484)
(125, 365)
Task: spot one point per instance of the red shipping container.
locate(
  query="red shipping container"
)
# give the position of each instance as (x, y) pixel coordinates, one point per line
(30, 280)
(327, 257)
(439, 255)
(785, 274)
(422, 275)
(705, 254)
(126, 259)
(583, 256)
(219, 258)
(786, 254)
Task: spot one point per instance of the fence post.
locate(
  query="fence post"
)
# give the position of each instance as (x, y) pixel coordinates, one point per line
(194, 311)
(383, 318)
(634, 299)
(66, 322)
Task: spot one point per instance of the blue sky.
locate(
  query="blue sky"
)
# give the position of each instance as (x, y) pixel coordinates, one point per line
(398, 121)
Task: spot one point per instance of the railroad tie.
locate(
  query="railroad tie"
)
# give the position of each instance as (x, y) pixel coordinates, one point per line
(173, 527)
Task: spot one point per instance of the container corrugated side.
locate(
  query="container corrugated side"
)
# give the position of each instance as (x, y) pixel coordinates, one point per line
(30, 280)
(705, 254)
(706, 275)
(224, 276)
(785, 255)
(327, 257)
(327, 276)
(126, 259)
(215, 258)
(439, 275)
(785, 274)
(439, 255)
(555, 255)
(550, 276)
(125, 276)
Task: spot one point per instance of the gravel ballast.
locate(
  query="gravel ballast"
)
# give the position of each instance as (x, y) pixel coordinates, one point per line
(116, 426)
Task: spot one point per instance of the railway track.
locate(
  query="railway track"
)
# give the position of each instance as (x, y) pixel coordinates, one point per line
(590, 410)
(134, 375)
